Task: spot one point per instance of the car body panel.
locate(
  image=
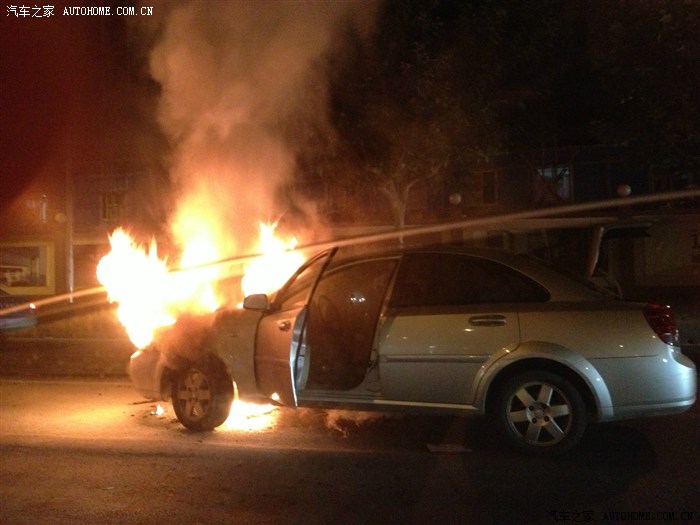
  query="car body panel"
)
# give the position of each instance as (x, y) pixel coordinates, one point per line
(594, 330)
(146, 368)
(434, 357)
(280, 330)
(277, 343)
(651, 385)
(544, 351)
(235, 345)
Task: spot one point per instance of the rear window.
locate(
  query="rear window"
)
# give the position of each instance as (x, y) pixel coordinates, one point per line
(434, 279)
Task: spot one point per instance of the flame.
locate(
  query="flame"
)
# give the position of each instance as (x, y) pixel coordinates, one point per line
(250, 417)
(278, 262)
(196, 290)
(138, 280)
(243, 417)
(151, 297)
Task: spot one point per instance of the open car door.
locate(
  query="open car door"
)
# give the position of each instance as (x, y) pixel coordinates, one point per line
(279, 334)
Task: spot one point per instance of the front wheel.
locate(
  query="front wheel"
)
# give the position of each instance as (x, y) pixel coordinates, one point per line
(540, 412)
(202, 395)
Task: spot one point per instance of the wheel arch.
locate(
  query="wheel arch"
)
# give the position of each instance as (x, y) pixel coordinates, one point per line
(552, 358)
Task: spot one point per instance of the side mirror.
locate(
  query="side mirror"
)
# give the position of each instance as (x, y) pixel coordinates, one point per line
(257, 301)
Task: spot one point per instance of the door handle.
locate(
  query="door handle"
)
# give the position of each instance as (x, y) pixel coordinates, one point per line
(487, 320)
(285, 325)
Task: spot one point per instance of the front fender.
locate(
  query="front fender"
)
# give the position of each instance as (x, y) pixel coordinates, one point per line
(146, 370)
(505, 359)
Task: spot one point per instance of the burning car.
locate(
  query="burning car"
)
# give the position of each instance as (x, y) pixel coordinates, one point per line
(445, 330)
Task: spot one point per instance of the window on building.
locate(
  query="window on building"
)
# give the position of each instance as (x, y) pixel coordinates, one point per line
(27, 268)
(112, 206)
(553, 183)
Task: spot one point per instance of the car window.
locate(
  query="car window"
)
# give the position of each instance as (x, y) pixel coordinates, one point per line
(432, 279)
(342, 321)
(297, 290)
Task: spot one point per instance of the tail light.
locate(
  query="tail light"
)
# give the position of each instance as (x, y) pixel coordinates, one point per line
(661, 320)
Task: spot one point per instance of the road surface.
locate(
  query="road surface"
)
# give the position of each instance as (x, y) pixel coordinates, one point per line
(92, 451)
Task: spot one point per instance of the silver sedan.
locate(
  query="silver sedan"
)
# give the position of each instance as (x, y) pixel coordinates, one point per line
(444, 330)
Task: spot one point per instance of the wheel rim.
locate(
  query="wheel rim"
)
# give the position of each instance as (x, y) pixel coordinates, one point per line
(194, 394)
(540, 414)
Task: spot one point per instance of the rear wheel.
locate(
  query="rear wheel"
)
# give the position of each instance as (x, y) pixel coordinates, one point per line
(202, 395)
(540, 412)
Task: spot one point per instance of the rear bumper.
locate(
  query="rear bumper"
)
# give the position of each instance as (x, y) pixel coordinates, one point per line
(663, 384)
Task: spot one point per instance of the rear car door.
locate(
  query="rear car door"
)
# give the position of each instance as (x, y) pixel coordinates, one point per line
(279, 334)
(448, 314)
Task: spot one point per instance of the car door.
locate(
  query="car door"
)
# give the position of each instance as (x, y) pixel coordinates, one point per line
(447, 315)
(279, 334)
(342, 322)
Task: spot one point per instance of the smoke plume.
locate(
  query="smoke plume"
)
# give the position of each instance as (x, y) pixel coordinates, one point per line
(232, 76)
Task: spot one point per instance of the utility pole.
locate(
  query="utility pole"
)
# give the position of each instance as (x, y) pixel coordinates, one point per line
(70, 198)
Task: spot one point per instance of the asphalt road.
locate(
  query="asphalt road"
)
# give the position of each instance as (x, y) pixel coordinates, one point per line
(90, 451)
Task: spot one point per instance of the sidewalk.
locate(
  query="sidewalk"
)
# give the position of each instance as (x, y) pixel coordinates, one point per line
(50, 356)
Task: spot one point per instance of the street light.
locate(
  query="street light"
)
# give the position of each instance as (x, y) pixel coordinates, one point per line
(624, 190)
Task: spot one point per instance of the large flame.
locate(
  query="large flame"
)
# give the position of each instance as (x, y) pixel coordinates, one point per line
(151, 297)
(139, 281)
(278, 262)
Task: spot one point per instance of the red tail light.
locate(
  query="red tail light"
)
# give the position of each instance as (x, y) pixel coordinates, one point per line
(661, 320)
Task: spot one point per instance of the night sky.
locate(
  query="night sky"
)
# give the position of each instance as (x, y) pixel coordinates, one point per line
(79, 88)
(42, 74)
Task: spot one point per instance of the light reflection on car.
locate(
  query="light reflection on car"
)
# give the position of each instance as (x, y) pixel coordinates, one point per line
(442, 330)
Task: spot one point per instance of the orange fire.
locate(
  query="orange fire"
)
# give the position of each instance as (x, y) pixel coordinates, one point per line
(268, 273)
(151, 297)
(250, 417)
(139, 281)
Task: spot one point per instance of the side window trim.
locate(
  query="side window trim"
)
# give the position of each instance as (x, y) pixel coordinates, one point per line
(279, 299)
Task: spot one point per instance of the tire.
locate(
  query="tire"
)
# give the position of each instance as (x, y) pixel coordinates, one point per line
(202, 394)
(540, 413)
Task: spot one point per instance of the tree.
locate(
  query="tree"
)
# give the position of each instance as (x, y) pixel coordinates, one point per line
(396, 113)
(444, 86)
(646, 55)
